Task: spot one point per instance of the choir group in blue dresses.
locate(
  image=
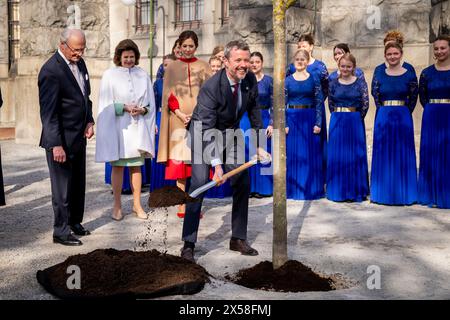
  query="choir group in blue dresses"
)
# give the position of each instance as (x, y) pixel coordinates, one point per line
(337, 167)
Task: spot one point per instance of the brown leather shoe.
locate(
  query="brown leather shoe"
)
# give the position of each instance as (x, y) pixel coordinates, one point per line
(243, 247)
(188, 254)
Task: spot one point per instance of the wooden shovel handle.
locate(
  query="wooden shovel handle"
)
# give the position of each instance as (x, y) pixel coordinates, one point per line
(239, 169)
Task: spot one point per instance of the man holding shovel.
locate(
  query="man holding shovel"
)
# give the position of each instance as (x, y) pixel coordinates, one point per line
(221, 103)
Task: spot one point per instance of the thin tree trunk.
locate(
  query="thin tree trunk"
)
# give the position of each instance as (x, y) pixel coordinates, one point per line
(279, 250)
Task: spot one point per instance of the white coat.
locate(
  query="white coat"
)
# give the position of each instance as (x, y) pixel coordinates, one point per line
(125, 136)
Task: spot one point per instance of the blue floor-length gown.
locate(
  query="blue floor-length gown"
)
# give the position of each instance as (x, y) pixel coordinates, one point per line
(319, 70)
(434, 171)
(347, 170)
(305, 175)
(261, 176)
(394, 168)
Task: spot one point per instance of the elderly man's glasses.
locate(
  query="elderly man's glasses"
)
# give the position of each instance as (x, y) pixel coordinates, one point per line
(77, 51)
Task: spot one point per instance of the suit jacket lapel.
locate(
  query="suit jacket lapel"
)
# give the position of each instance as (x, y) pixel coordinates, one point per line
(226, 88)
(68, 72)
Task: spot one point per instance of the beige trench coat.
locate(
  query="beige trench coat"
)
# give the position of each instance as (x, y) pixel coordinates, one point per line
(172, 136)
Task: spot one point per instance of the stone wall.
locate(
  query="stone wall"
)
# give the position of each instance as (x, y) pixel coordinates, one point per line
(7, 111)
(363, 23)
(41, 22)
(3, 33)
(439, 18)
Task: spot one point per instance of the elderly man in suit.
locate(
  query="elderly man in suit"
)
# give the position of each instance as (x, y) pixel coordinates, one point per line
(66, 115)
(221, 103)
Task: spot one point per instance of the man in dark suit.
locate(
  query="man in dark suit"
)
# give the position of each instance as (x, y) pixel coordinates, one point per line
(221, 103)
(66, 115)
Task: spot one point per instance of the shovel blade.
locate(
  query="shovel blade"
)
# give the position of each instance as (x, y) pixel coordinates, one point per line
(204, 188)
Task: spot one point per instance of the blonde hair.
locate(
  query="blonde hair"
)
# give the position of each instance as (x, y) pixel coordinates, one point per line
(302, 52)
(351, 58)
(212, 58)
(217, 49)
(392, 44)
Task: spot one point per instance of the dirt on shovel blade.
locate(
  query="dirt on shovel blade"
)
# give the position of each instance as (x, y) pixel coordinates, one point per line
(110, 273)
(168, 196)
(293, 276)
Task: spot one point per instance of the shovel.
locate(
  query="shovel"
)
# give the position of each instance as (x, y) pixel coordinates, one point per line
(211, 184)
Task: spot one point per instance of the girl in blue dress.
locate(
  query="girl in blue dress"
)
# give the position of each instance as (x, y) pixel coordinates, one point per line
(261, 176)
(347, 171)
(434, 172)
(319, 70)
(338, 51)
(394, 36)
(304, 157)
(394, 171)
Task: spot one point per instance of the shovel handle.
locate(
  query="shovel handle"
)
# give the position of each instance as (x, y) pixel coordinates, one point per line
(239, 169)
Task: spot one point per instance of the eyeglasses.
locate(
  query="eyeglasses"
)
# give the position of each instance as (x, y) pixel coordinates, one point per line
(77, 51)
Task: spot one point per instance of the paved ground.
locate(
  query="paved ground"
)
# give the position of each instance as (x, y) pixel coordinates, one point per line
(410, 245)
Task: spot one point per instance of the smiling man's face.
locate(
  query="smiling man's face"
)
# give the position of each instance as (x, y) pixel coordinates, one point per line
(237, 64)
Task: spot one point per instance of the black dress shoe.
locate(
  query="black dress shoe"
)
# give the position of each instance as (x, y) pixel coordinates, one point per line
(70, 240)
(188, 254)
(243, 247)
(79, 230)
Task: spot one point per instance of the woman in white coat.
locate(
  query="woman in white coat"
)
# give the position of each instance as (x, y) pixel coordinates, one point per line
(126, 123)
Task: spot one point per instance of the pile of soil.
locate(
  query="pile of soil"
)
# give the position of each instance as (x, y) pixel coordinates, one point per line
(109, 273)
(168, 196)
(293, 276)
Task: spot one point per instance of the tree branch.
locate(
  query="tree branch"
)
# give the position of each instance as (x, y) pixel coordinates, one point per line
(289, 3)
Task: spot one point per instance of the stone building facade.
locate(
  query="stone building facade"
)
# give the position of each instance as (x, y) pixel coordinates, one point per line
(361, 24)
(38, 24)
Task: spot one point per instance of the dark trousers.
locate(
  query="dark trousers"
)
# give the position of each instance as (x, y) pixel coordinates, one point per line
(239, 215)
(68, 182)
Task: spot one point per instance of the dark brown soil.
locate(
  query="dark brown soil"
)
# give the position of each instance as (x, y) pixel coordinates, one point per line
(168, 196)
(109, 273)
(293, 276)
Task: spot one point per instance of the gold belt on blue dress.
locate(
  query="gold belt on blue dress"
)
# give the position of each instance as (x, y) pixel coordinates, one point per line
(393, 103)
(345, 109)
(299, 107)
(440, 101)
